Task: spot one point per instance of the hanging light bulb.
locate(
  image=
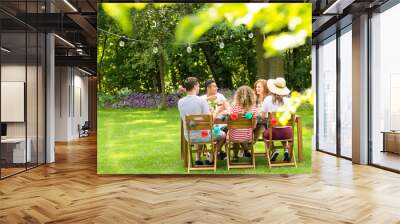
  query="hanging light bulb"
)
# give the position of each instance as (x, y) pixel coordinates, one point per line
(221, 45)
(251, 35)
(155, 49)
(154, 24)
(189, 49)
(121, 43)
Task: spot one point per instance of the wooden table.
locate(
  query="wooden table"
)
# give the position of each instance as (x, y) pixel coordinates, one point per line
(219, 121)
(391, 141)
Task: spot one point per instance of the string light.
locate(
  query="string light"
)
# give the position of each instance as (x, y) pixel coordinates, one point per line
(189, 49)
(155, 49)
(154, 24)
(155, 42)
(152, 42)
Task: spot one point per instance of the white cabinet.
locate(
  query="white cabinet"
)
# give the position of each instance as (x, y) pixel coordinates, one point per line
(18, 149)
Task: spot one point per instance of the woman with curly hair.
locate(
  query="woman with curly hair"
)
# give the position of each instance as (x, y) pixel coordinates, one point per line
(243, 101)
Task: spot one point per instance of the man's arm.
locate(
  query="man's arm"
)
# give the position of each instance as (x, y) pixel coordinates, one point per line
(225, 102)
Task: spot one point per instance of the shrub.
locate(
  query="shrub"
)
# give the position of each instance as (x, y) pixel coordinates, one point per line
(107, 100)
(147, 100)
(125, 98)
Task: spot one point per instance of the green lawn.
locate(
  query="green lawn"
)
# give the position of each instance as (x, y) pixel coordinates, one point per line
(147, 141)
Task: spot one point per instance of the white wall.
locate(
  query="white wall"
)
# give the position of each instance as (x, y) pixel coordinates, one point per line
(9, 73)
(33, 126)
(62, 82)
(13, 72)
(71, 94)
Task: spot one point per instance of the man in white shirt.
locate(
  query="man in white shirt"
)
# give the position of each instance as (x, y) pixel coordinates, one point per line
(213, 97)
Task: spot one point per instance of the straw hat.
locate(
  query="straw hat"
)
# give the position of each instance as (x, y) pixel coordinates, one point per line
(278, 86)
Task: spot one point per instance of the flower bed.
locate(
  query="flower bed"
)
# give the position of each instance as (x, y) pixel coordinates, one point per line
(147, 100)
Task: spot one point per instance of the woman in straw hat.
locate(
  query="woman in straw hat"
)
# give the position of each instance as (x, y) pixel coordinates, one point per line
(274, 102)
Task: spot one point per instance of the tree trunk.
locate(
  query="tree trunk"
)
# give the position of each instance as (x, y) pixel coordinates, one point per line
(267, 68)
(156, 76)
(100, 72)
(275, 68)
(261, 62)
(162, 69)
(251, 64)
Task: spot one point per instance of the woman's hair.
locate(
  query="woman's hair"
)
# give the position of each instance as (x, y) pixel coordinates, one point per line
(277, 99)
(244, 97)
(265, 87)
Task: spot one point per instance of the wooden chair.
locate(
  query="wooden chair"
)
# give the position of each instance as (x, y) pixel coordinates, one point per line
(260, 137)
(240, 123)
(270, 146)
(200, 122)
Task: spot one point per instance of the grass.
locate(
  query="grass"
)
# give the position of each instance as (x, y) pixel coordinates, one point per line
(147, 141)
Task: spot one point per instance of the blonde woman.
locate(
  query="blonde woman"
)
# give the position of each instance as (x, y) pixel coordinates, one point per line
(243, 101)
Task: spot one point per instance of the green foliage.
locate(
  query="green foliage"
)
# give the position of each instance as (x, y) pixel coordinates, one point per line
(160, 26)
(192, 27)
(136, 66)
(286, 25)
(297, 67)
(106, 100)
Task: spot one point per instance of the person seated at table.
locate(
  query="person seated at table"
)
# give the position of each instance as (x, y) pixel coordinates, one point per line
(213, 97)
(193, 104)
(216, 101)
(244, 101)
(261, 91)
(273, 103)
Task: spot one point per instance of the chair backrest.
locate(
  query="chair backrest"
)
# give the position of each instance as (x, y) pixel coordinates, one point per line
(195, 122)
(272, 115)
(241, 122)
(86, 125)
(199, 122)
(290, 123)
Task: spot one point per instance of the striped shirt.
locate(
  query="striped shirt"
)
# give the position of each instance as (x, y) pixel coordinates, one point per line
(242, 134)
